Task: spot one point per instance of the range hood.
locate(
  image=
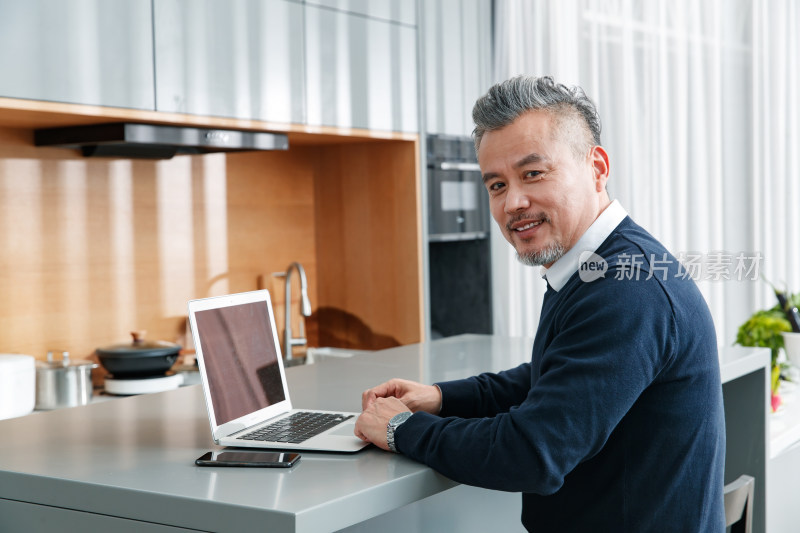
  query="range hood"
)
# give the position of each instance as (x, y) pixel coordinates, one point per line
(150, 141)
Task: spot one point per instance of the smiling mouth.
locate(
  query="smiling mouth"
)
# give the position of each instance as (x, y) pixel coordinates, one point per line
(529, 225)
(525, 223)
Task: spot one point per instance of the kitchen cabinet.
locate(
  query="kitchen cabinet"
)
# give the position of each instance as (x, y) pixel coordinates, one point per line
(745, 394)
(240, 59)
(457, 48)
(21, 516)
(404, 11)
(78, 51)
(361, 72)
(784, 462)
(782, 490)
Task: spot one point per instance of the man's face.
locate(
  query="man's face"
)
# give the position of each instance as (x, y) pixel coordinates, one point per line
(541, 193)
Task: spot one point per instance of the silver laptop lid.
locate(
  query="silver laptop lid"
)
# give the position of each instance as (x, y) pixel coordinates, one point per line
(240, 361)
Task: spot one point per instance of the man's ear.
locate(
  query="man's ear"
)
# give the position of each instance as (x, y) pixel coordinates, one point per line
(598, 159)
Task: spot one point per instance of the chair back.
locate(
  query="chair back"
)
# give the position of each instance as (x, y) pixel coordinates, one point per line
(739, 504)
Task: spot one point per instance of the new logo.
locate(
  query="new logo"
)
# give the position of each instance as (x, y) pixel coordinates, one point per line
(592, 266)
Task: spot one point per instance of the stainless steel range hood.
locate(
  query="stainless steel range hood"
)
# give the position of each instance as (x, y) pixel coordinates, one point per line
(150, 141)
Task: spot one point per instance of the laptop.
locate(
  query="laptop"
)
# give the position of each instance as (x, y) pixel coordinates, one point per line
(244, 381)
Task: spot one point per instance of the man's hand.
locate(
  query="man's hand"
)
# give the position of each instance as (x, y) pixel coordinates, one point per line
(415, 396)
(381, 403)
(371, 424)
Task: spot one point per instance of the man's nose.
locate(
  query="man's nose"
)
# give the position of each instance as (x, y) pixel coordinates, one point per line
(516, 200)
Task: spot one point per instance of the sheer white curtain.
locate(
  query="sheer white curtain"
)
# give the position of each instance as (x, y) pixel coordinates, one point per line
(699, 113)
(776, 144)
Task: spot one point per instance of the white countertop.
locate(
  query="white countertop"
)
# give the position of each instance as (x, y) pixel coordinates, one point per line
(134, 457)
(736, 361)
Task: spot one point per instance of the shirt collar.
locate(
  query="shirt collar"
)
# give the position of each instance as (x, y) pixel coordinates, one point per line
(560, 271)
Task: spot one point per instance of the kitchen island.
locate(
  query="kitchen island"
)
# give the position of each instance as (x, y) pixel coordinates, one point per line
(128, 464)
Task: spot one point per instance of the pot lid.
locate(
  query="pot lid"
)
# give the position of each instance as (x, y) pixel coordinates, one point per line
(64, 362)
(140, 347)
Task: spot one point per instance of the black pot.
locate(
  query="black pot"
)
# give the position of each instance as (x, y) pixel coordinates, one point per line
(139, 358)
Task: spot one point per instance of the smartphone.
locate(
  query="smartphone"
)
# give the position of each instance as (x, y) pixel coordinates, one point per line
(248, 458)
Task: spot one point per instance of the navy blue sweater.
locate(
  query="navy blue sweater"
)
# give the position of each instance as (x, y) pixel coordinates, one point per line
(617, 422)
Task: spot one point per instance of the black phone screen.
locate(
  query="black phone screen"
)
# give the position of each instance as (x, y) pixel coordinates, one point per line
(248, 458)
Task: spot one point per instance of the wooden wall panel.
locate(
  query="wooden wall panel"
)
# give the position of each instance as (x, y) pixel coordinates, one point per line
(94, 248)
(369, 239)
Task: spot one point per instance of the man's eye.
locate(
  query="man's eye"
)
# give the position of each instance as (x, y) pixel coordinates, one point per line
(533, 174)
(496, 186)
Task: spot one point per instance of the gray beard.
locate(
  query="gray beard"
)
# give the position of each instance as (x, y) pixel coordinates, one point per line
(547, 255)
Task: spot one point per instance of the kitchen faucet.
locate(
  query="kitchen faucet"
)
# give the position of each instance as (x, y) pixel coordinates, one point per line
(305, 309)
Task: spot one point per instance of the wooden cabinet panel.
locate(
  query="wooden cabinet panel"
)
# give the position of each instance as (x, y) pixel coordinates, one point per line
(242, 58)
(105, 246)
(99, 247)
(369, 251)
(361, 72)
(79, 51)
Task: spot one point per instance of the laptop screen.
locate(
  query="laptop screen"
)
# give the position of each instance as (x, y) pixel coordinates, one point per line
(240, 359)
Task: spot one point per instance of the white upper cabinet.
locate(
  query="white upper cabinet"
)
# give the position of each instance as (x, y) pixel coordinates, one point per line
(361, 71)
(477, 49)
(78, 51)
(404, 11)
(238, 58)
(457, 62)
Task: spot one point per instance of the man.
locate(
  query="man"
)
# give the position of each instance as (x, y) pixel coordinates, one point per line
(617, 423)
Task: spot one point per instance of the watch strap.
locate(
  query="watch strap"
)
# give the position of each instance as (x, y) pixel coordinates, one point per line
(393, 424)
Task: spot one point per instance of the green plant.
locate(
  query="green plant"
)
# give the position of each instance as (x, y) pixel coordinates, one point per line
(764, 329)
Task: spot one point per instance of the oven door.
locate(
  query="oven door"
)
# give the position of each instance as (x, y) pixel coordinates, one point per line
(458, 206)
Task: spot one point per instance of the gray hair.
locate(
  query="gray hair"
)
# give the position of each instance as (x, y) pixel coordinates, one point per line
(506, 101)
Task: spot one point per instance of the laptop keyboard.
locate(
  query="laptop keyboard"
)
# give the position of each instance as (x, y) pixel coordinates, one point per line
(296, 427)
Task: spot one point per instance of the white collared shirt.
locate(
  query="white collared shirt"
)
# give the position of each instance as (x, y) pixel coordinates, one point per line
(560, 271)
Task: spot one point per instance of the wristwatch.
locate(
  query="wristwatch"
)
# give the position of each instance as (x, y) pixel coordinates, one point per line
(393, 424)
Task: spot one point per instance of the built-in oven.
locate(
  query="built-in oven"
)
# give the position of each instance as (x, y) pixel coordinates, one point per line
(459, 254)
(458, 209)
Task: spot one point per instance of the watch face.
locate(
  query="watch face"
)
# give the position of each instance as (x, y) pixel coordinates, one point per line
(395, 421)
(399, 418)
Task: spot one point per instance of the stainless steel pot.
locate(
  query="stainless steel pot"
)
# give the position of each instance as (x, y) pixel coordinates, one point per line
(63, 383)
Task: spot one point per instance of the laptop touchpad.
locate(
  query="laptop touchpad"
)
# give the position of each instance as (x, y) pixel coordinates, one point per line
(345, 429)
